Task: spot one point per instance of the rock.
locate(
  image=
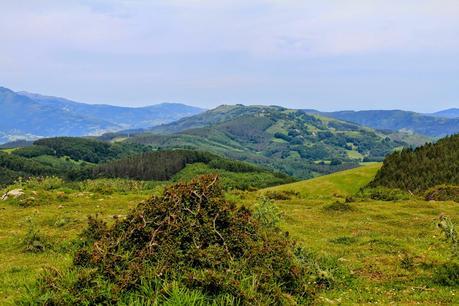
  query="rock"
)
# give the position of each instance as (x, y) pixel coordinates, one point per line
(15, 193)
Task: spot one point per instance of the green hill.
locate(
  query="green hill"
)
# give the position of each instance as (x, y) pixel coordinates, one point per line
(181, 165)
(399, 120)
(289, 141)
(418, 169)
(81, 158)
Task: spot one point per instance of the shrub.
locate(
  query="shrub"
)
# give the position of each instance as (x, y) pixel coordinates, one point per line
(449, 230)
(109, 186)
(407, 262)
(190, 236)
(344, 240)
(384, 194)
(280, 195)
(33, 241)
(447, 274)
(443, 193)
(338, 207)
(267, 213)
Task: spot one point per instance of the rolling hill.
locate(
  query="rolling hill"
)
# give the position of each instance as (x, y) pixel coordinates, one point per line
(31, 116)
(398, 120)
(78, 159)
(287, 140)
(448, 113)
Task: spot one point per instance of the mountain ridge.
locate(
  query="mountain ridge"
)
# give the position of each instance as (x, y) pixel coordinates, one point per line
(398, 120)
(447, 113)
(31, 116)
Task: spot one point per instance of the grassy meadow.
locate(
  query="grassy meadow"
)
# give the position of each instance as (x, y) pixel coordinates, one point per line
(390, 247)
(389, 250)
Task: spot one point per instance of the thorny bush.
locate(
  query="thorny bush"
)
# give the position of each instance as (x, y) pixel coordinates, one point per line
(190, 235)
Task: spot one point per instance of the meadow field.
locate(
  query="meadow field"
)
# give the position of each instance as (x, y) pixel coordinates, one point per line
(374, 251)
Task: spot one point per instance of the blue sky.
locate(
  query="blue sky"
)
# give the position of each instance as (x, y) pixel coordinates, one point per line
(327, 54)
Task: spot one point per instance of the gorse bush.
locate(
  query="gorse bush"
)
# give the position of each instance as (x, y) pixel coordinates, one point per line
(383, 194)
(42, 183)
(191, 237)
(281, 195)
(443, 193)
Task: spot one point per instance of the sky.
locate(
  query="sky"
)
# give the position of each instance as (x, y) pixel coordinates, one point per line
(327, 54)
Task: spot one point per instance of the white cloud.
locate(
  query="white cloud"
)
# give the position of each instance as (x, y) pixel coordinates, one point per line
(259, 28)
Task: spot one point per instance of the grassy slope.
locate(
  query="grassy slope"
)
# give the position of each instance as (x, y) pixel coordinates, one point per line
(372, 240)
(339, 184)
(60, 220)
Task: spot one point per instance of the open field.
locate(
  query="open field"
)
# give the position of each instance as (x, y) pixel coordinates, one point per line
(390, 249)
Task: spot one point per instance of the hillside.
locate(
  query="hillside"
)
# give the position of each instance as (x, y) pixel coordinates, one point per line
(418, 169)
(289, 141)
(398, 120)
(356, 254)
(448, 113)
(389, 246)
(30, 116)
(180, 165)
(77, 159)
(60, 156)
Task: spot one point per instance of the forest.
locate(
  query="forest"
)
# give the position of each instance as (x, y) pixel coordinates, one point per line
(418, 169)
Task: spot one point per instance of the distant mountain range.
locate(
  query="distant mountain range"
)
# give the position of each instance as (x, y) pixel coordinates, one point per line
(448, 113)
(432, 125)
(28, 116)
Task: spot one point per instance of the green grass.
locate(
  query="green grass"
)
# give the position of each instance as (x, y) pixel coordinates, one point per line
(354, 154)
(9, 151)
(390, 248)
(340, 184)
(374, 240)
(60, 221)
